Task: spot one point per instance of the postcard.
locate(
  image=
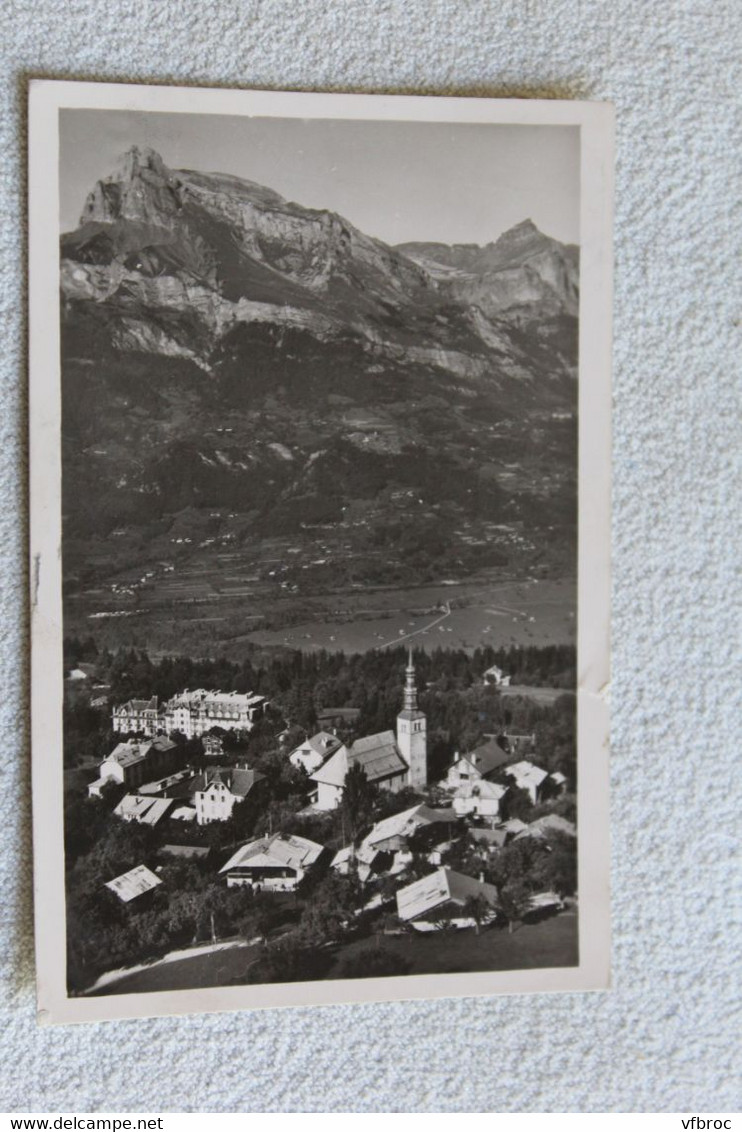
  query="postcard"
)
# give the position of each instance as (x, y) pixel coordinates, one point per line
(320, 533)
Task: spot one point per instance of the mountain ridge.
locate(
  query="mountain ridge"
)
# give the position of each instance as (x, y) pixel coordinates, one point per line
(224, 347)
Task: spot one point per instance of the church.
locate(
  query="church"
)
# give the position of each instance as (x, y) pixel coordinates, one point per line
(390, 762)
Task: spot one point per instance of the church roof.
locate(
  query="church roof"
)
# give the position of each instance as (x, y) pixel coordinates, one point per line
(377, 754)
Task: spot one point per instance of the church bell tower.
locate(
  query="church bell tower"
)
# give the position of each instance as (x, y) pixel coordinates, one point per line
(412, 732)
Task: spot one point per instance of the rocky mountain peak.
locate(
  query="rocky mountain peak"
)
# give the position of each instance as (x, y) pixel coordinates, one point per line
(141, 188)
(138, 160)
(521, 240)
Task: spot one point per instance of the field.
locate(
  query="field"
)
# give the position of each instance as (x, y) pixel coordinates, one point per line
(550, 943)
(466, 615)
(169, 615)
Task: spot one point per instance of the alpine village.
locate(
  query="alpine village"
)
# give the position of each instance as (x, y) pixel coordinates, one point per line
(319, 561)
(249, 837)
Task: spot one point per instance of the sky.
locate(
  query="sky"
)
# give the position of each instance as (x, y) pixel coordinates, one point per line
(398, 181)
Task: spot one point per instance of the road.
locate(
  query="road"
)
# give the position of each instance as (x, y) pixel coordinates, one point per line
(415, 632)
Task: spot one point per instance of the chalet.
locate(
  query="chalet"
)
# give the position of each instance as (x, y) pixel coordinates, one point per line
(479, 798)
(528, 777)
(140, 716)
(441, 895)
(218, 789)
(366, 860)
(483, 762)
(134, 762)
(392, 834)
(193, 713)
(495, 677)
(134, 883)
(276, 864)
(143, 809)
(315, 750)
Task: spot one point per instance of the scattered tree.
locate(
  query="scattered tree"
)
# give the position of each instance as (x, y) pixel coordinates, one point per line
(514, 900)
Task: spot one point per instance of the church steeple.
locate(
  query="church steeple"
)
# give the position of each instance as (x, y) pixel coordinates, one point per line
(410, 688)
(412, 731)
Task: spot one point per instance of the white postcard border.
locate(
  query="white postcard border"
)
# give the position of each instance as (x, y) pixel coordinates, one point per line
(596, 123)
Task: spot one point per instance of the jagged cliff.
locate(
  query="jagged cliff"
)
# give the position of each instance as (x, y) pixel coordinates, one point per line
(222, 344)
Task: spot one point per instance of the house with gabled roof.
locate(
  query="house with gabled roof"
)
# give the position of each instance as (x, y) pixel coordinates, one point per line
(135, 761)
(216, 791)
(479, 798)
(392, 833)
(526, 776)
(483, 762)
(314, 751)
(134, 883)
(495, 677)
(276, 863)
(143, 808)
(441, 895)
(365, 860)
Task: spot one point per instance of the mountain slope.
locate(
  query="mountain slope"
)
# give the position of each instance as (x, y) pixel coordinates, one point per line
(224, 348)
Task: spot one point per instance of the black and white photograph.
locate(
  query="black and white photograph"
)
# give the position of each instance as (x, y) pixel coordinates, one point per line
(319, 547)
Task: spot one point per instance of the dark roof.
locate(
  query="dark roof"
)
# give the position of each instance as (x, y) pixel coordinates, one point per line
(239, 780)
(489, 757)
(378, 755)
(462, 886)
(140, 705)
